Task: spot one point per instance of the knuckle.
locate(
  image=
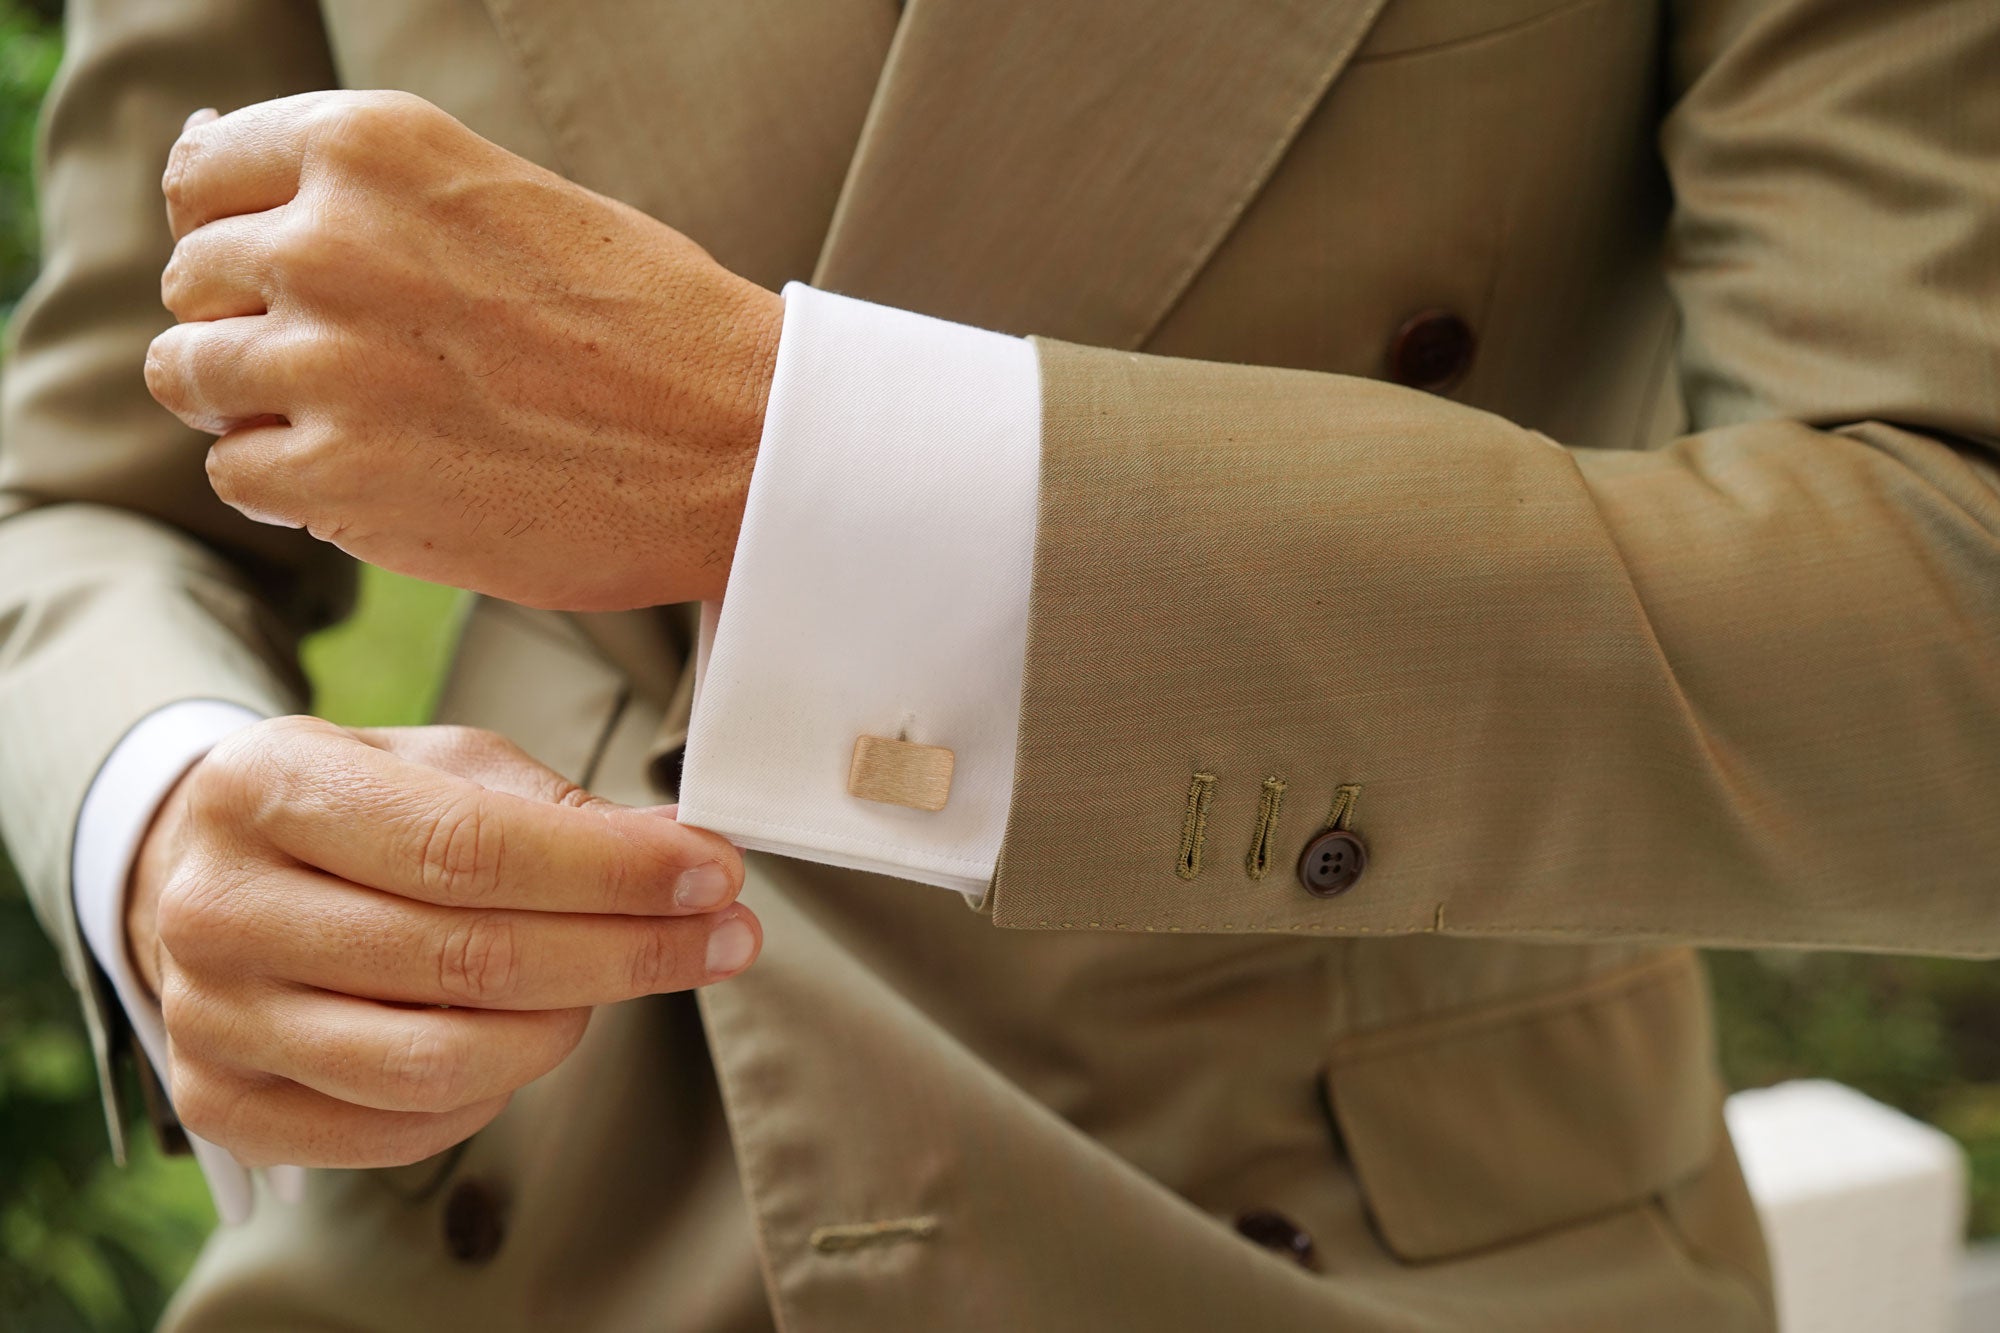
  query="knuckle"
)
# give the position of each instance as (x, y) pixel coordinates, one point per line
(626, 890)
(305, 363)
(194, 916)
(255, 776)
(479, 959)
(208, 1106)
(345, 129)
(567, 1027)
(451, 743)
(461, 856)
(412, 1140)
(298, 726)
(211, 789)
(180, 1012)
(457, 749)
(241, 766)
(229, 479)
(180, 160)
(306, 255)
(422, 1072)
(291, 257)
(175, 280)
(328, 529)
(475, 740)
(251, 477)
(166, 371)
(202, 1023)
(356, 128)
(654, 961)
(194, 1102)
(397, 108)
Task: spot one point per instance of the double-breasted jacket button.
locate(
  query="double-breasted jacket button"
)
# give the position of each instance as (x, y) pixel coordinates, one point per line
(473, 1226)
(1275, 1231)
(1331, 862)
(1432, 351)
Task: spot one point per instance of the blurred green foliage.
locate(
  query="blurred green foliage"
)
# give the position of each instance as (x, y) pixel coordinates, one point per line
(85, 1246)
(29, 48)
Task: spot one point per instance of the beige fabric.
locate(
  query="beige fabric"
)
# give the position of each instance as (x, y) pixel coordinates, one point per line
(1678, 626)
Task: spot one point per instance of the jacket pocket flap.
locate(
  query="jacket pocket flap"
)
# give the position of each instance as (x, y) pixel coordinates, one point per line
(1487, 1127)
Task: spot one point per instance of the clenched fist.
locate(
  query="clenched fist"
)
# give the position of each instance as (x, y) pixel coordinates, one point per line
(451, 362)
(365, 942)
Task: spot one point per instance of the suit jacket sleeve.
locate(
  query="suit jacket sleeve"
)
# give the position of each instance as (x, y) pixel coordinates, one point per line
(124, 583)
(1742, 689)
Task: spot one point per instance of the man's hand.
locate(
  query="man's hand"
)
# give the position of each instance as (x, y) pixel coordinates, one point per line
(451, 362)
(310, 898)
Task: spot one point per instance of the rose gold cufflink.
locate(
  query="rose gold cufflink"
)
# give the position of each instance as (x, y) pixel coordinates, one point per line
(900, 773)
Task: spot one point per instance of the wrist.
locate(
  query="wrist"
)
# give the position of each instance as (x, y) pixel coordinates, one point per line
(747, 363)
(158, 853)
(755, 345)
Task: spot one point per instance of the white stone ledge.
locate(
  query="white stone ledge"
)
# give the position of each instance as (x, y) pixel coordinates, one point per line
(1863, 1208)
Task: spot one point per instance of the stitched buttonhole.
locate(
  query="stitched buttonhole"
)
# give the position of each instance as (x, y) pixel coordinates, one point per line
(1194, 824)
(1266, 832)
(859, 1235)
(1344, 800)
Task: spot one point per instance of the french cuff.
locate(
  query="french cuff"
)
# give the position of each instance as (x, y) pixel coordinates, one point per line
(117, 811)
(857, 690)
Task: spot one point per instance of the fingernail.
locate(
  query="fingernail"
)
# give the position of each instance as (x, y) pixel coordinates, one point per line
(201, 117)
(730, 947)
(701, 888)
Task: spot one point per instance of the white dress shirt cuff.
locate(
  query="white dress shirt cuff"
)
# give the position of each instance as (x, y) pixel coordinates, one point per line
(117, 811)
(880, 588)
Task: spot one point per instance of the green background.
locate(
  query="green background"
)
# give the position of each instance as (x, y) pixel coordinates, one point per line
(84, 1245)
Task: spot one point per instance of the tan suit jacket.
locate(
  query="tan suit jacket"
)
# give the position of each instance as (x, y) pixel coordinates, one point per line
(1666, 617)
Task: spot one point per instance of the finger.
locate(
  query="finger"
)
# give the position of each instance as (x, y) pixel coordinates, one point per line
(484, 757)
(388, 1057)
(264, 1121)
(220, 270)
(304, 927)
(244, 162)
(372, 817)
(216, 375)
(263, 469)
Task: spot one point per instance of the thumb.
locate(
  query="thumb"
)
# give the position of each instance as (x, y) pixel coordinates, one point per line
(484, 757)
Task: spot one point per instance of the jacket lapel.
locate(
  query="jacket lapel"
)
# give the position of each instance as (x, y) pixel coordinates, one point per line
(734, 123)
(1065, 168)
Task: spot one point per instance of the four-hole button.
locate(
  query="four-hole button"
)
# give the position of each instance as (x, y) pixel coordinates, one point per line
(1332, 861)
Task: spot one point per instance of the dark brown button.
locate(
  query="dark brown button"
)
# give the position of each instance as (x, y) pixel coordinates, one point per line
(1331, 863)
(472, 1225)
(1275, 1231)
(1432, 351)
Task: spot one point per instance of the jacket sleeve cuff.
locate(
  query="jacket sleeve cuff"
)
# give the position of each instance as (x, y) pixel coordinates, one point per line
(879, 589)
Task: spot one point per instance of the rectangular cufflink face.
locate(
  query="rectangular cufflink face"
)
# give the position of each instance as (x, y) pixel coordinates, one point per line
(900, 773)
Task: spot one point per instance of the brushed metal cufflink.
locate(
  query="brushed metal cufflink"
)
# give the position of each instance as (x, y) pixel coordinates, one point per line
(897, 772)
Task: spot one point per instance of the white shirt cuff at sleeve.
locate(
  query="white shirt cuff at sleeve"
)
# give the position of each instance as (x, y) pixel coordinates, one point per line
(880, 587)
(117, 811)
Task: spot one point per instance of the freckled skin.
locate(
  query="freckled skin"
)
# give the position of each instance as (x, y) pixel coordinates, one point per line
(450, 362)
